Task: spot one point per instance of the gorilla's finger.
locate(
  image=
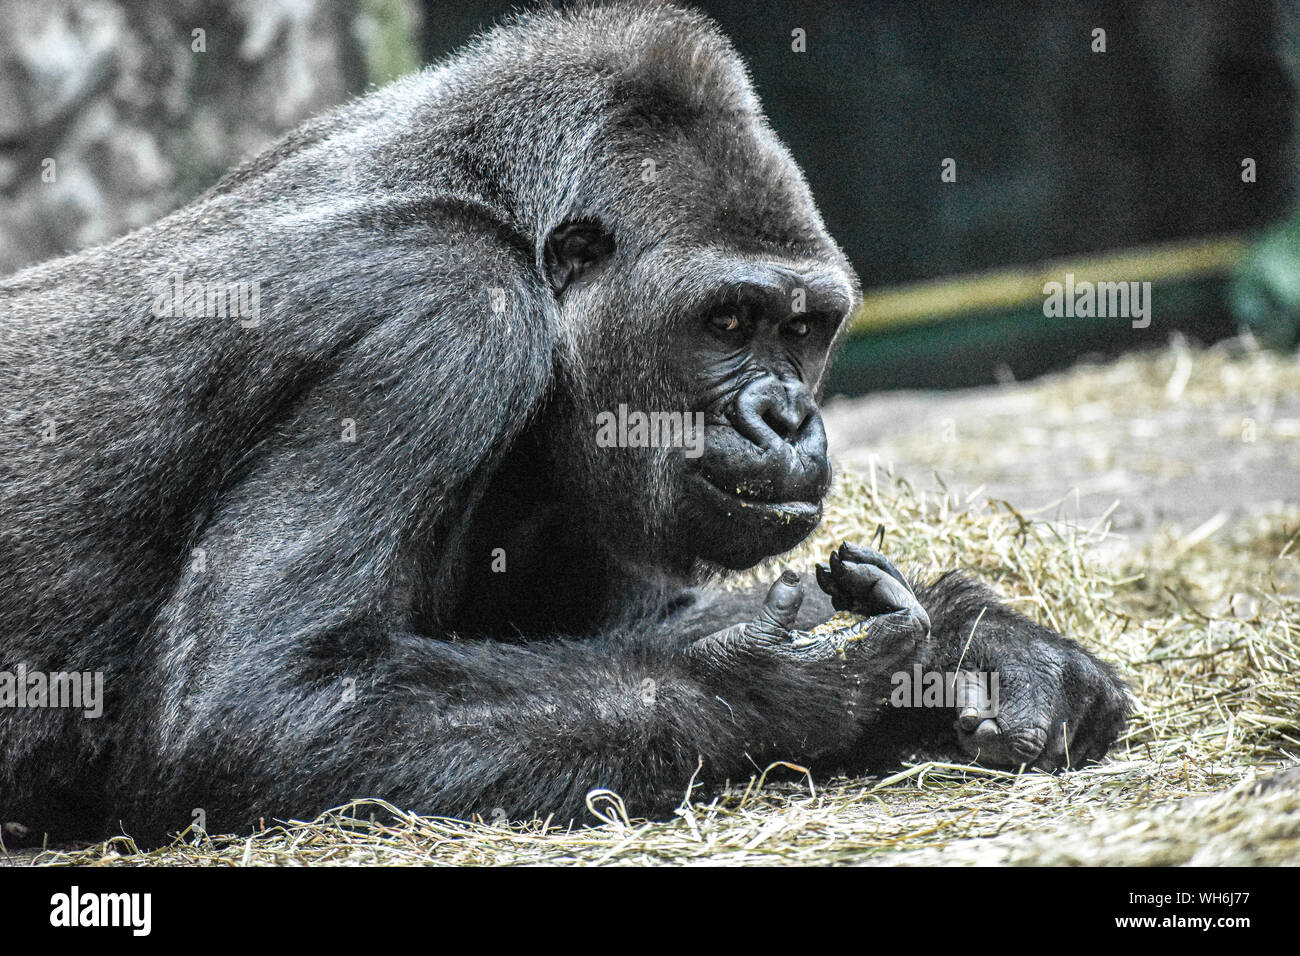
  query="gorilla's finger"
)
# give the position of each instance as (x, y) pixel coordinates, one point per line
(826, 581)
(1016, 729)
(854, 552)
(992, 745)
(871, 589)
(973, 701)
(1060, 747)
(870, 648)
(1081, 732)
(985, 744)
(866, 576)
(781, 606)
(988, 735)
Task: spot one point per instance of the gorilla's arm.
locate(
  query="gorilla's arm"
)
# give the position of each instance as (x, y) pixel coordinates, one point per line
(463, 727)
(306, 717)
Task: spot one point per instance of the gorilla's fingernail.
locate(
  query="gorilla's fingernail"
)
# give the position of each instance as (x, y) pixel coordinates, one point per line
(969, 718)
(789, 577)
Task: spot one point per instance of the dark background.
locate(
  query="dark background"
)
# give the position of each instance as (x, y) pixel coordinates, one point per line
(1059, 150)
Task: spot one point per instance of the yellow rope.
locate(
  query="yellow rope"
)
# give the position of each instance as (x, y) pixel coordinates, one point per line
(939, 299)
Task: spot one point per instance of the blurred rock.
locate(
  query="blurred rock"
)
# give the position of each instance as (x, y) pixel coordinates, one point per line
(114, 112)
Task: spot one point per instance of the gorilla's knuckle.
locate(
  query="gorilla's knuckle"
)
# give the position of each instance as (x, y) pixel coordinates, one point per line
(1027, 742)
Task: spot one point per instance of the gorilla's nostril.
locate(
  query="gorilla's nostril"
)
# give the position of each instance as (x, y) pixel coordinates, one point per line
(784, 424)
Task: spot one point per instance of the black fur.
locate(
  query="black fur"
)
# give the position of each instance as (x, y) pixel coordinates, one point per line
(468, 265)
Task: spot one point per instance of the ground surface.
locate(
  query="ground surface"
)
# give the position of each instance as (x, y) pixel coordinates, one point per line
(1172, 439)
(1149, 507)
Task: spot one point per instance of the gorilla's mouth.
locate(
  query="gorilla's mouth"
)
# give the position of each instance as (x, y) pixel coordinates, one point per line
(752, 496)
(735, 495)
(737, 530)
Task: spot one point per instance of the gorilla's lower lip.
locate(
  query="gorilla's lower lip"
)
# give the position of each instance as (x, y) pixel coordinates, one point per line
(787, 510)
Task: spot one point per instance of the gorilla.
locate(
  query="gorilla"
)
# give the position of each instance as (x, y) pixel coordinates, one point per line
(307, 472)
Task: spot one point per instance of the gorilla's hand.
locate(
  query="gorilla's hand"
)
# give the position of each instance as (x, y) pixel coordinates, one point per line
(893, 628)
(1053, 704)
(1023, 694)
(863, 581)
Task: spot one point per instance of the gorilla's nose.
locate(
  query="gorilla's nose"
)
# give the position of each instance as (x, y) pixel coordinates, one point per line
(775, 449)
(771, 412)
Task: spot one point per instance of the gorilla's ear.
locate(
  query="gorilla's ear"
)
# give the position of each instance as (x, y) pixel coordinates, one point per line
(574, 247)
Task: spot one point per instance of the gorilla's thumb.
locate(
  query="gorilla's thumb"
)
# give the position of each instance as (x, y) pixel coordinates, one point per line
(784, 598)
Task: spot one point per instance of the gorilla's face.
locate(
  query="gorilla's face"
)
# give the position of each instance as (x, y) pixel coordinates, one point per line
(756, 355)
(732, 345)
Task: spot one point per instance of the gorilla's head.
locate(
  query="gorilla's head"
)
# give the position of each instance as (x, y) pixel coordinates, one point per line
(692, 274)
(739, 340)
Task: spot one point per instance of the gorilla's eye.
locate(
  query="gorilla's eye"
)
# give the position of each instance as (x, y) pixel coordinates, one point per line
(797, 327)
(725, 321)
